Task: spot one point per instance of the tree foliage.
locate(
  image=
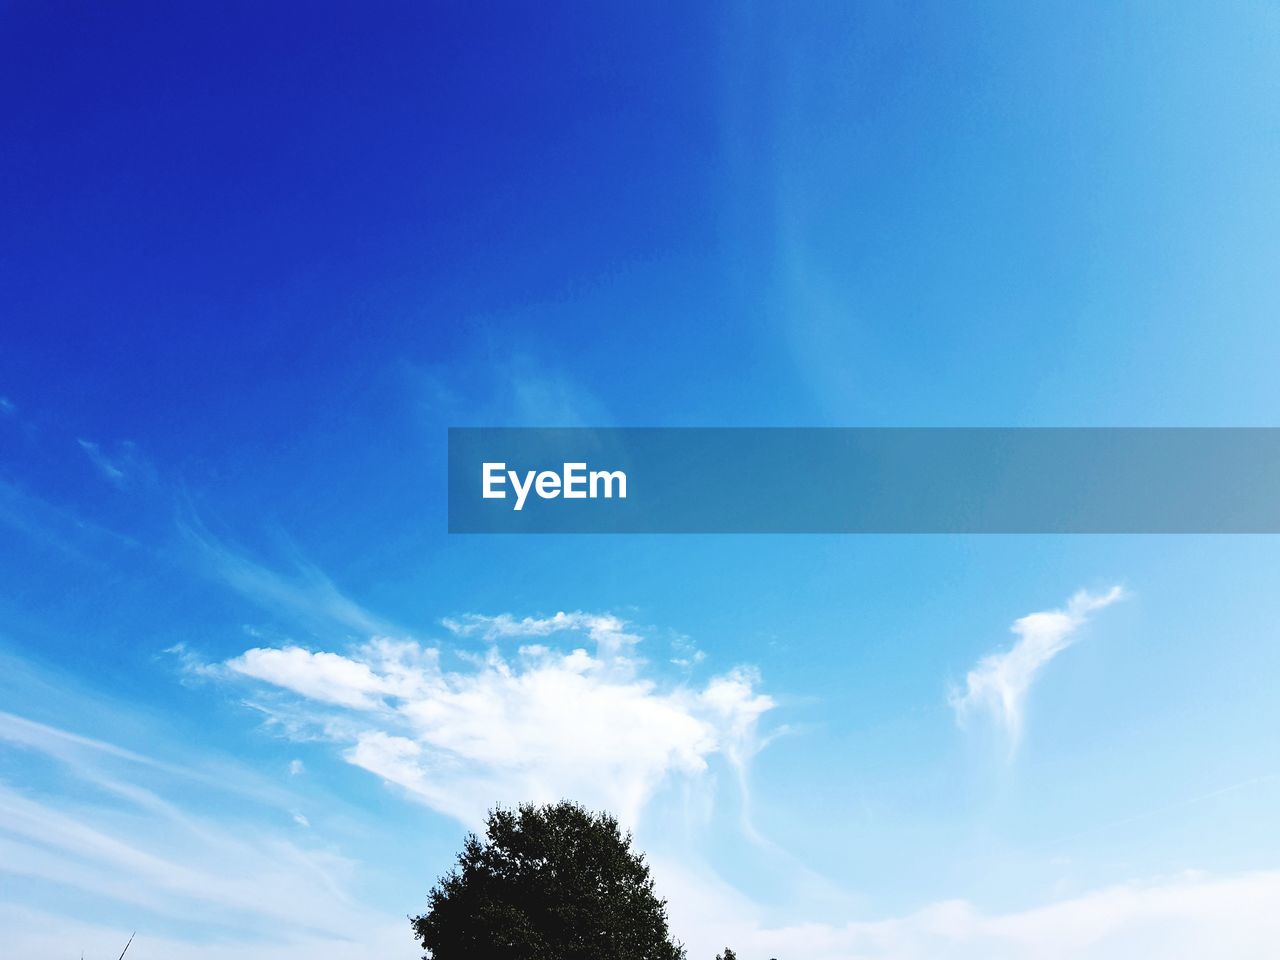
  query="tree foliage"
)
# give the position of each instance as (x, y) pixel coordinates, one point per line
(553, 882)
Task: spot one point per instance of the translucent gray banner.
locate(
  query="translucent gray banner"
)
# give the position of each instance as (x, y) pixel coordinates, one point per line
(864, 480)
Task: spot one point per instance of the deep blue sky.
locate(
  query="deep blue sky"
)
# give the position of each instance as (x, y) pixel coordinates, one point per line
(255, 259)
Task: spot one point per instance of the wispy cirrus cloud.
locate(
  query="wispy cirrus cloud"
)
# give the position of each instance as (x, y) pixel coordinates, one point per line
(511, 389)
(134, 834)
(123, 466)
(304, 593)
(998, 685)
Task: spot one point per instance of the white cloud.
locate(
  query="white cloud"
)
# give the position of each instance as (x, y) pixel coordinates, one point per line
(998, 685)
(607, 632)
(1180, 918)
(584, 722)
(540, 724)
(1187, 917)
(685, 653)
(151, 854)
(325, 677)
(86, 755)
(34, 935)
(166, 868)
(304, 593)
(123, 467)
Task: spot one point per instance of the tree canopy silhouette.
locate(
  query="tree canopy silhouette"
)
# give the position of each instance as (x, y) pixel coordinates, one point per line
(553, 882)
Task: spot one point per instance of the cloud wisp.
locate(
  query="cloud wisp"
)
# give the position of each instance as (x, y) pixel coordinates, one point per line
(545, 721)
(304, 593)
(998, 684)
(137, 835)
(1185, 916)
(123, 466)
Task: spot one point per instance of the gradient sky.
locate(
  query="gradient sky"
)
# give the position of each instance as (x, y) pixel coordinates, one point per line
(254, 262)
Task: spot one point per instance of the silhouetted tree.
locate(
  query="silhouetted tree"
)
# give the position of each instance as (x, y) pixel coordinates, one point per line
(727, 955)
(554, 882)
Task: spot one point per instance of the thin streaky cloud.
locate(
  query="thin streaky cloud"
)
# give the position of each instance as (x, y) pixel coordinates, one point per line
(306, 594)
(1180, 804)
(21, 731)
(150, 850)
(999, 683)
(123, 466)
(87, 757)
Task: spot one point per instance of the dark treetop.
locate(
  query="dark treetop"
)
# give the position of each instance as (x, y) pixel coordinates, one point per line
(554, 882)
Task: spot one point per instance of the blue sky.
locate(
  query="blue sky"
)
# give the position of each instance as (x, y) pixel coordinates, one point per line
(254, 263)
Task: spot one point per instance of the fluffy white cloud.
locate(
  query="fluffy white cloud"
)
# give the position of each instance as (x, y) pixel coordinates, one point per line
(998, 685)
(540, 724)
(607, 632)
(325, 677)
